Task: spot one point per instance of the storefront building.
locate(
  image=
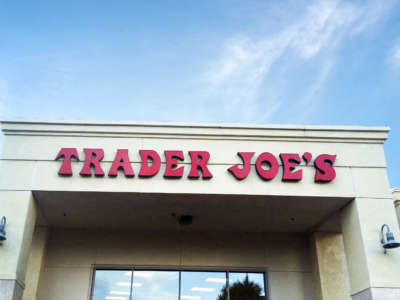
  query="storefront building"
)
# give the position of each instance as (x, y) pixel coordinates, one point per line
(148, 211)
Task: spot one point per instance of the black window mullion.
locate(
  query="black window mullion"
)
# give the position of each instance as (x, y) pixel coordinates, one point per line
(227, 285)
(266, 287)
(179, 291)
(93, 281)
(131, 295)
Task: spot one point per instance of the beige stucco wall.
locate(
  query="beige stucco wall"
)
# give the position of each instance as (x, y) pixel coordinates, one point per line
(330, 275)
(20, 210)
(27, 164)
(35, 268)
(30, 153)
(71, 255)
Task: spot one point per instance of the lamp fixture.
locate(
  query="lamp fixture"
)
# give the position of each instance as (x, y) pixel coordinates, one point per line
(390, 242)
(2, 230)
(185, 220)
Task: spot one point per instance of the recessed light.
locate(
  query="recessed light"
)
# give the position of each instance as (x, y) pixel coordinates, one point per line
(218, 280)
(119, 293)
(201, 289)
(142, 274)
(135, 284)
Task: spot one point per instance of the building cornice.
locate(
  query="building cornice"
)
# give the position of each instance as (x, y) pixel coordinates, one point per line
(355, 134)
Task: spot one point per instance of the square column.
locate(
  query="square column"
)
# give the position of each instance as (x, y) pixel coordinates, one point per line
(36, 263)
(330, 276)
(373, 274)
(19, 209)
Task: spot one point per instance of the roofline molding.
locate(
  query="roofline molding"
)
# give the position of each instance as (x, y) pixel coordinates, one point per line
(360, 134)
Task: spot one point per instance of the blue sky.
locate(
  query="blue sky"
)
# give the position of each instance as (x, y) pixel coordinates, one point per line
(286, 62)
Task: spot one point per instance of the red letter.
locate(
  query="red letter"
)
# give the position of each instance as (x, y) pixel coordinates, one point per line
(92, 159)
(199, 160)
(121, 161)
(289, 161)
(171, 163)
(270, 159)
(324, 168)
(67, 153)
(307, 157)
(245, 170)
(145, 169)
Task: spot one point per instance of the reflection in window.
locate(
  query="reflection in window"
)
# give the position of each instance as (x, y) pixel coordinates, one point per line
(245, 286)
(112, 285)
(176, 285)
(202, 285)
(155, 285)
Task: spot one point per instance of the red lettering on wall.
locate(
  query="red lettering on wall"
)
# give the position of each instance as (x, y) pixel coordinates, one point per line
(92, 159)
(68, 154)
(171, 170)
(145, 169)
(289, 162)
(271, 161)
(266, 165)
(307, 156)
(324, 171)
(121, 161)
(242, 173)
(199, 161)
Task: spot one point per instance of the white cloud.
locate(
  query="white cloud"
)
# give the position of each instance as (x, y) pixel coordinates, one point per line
(394, 56)
(4, 94)
(237, 76)
(314, 90)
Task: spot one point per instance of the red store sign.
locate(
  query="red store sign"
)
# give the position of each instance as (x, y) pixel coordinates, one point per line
(266, 164)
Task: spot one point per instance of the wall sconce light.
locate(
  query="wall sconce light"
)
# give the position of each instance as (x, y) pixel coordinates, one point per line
(390, 242)
(2, 230)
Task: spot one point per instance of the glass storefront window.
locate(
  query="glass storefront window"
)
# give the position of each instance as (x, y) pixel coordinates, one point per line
(155, 285)
(249, 286)
(112, 285)
(202, 285)
(177, 285)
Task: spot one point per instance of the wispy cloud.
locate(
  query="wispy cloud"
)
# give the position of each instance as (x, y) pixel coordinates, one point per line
(3, 97)
(394, 57)
(238, 75)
